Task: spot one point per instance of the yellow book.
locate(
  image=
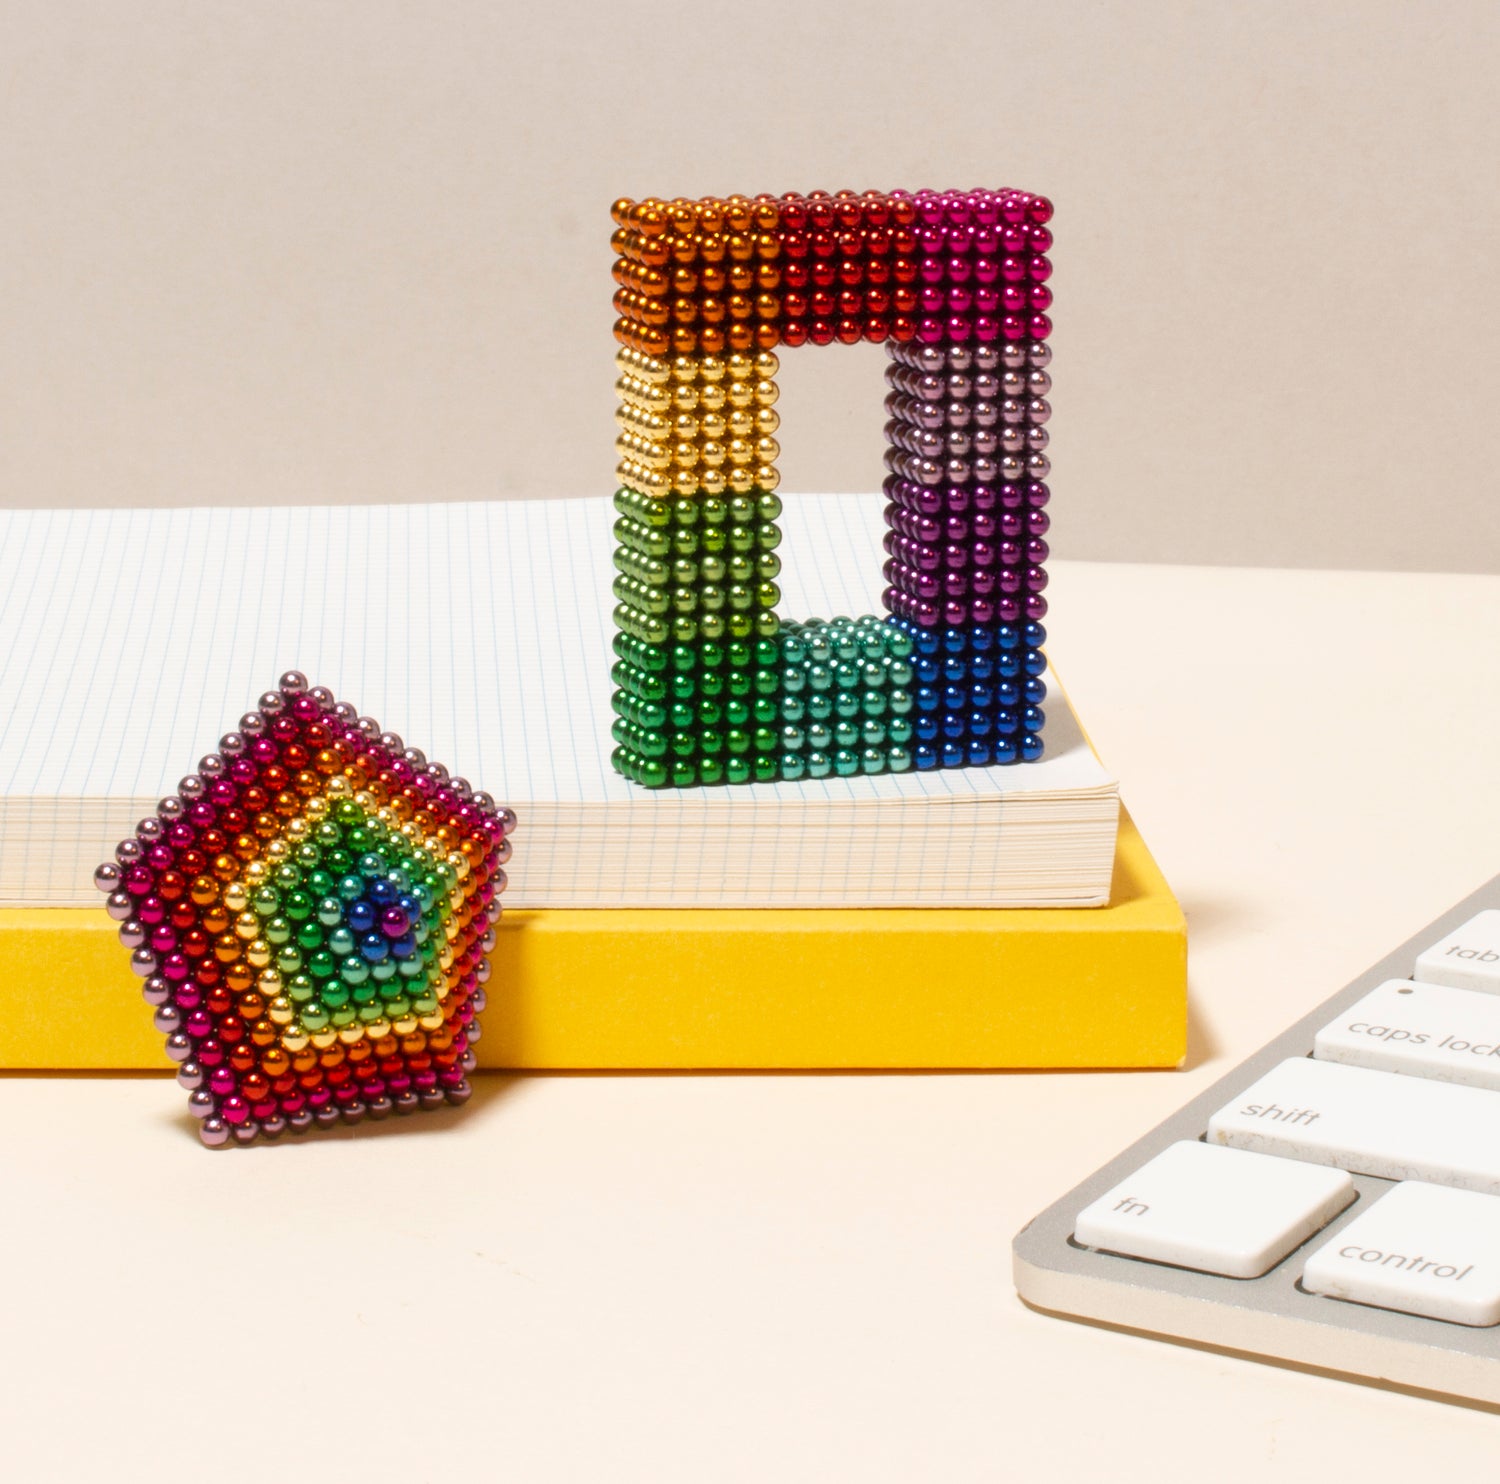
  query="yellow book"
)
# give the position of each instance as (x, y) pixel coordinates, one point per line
(721, 988)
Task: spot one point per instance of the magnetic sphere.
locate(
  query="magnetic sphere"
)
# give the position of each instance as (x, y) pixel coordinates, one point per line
(214, 1132)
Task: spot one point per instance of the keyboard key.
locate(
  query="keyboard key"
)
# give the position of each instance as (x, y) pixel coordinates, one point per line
(1373, 1123)
(1421, 1249)
(1466, 959)
(1423, 1030)
(1218, 1210)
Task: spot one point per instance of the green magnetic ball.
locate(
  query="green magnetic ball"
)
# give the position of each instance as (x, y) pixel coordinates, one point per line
(846, 763)
(738, 769)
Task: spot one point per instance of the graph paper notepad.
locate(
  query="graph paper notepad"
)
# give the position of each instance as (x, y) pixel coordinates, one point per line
(131, 640)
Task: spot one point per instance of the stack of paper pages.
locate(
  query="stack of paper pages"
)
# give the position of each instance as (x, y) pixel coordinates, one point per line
(130, 641)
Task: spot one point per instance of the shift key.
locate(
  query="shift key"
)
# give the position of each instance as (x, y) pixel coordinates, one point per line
(1368, 1122)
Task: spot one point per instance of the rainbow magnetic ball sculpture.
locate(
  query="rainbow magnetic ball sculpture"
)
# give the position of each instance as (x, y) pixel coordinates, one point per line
(312, 914)
(711, 685)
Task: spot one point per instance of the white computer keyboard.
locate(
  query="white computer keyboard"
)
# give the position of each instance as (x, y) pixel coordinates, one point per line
(1334, 1201)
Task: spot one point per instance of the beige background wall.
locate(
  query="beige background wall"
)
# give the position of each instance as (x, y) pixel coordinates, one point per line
(358, 251)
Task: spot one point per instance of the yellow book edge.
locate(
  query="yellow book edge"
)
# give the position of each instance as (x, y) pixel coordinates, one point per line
(720, 989)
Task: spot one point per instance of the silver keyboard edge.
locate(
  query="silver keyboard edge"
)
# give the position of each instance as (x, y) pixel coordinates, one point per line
(1270, 1316)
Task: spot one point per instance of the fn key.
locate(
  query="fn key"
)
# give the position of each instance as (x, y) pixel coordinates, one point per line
(1215, 1209)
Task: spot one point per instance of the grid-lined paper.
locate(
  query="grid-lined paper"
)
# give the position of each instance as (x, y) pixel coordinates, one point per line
(131, 640)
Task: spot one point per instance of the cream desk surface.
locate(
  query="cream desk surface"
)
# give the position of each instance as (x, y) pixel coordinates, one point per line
(723, 1278)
